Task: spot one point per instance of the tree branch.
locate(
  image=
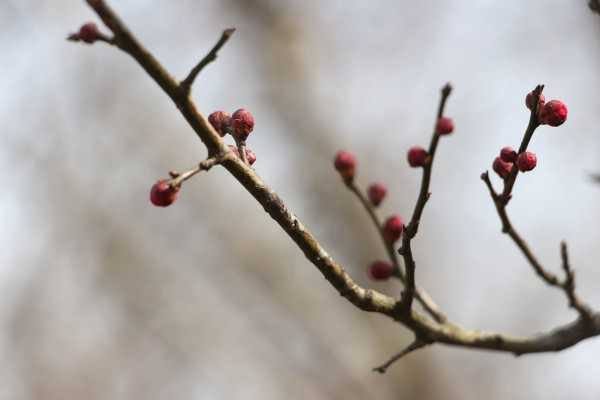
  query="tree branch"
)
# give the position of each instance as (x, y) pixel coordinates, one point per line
(568, 285)
(413, 226)
(415, 345)
(186, 84)
(369, 300)
(501, 200)
(424, 299)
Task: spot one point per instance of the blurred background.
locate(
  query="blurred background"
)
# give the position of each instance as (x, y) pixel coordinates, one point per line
(103, 296)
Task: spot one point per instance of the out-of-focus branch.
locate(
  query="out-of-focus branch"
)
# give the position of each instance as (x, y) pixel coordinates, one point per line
(421, 295)
(425, 329)
(594, 6)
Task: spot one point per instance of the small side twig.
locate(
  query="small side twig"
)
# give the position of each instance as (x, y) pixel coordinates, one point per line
(415, 345)
(500, 203)
(186, 84)
(531, 127)
(100, 37)
(204, 165)
(568, 285)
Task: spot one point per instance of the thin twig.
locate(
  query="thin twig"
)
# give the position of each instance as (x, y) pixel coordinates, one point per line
(424, 299)
(568, 285)
(531, 126)
(186, 84)
(507, 228)
(413, 226)
(203, 165)
(415, 345)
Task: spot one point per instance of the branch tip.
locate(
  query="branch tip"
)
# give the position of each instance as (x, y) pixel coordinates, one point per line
(186, 85)
(415, 345)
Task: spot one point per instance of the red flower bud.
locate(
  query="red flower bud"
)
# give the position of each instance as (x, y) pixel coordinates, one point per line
(508, 154)
(380, 270)
(502, 168)
(444, 126)
(250, 156)
(417, 156)
(526, 161)
(529, 101)
(163, 194)
(242, 123)
(221, 121)
(345, 164)
(88, 33)
(554, 113)
(377, 192)
(392, 229)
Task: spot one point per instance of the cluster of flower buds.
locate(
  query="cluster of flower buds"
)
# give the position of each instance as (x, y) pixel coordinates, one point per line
(553, 113)
(503, 165)
(239, 125)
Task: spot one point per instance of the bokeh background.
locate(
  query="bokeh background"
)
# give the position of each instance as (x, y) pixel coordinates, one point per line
(103, 296)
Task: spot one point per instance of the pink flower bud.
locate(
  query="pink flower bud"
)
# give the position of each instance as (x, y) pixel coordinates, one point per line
(242, 123)
(526, 161)
(444, 126)
(554, 113)
(163, 194)
(501, 167)
(345, 164)
(508, 154)
(88, 33)
(377, 192)
(221, 121)
(417, 156)
(392, 228)
(529, 101)
(380, 270)
(250, 156)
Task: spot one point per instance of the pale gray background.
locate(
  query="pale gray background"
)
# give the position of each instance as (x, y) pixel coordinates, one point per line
(103, 296)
